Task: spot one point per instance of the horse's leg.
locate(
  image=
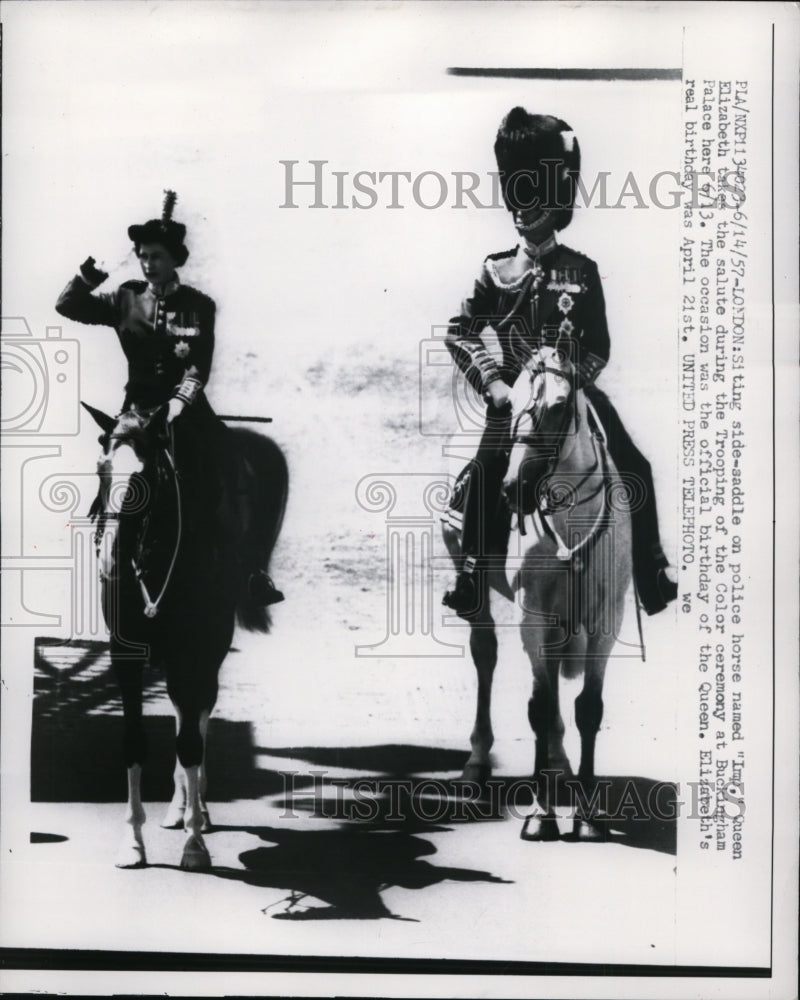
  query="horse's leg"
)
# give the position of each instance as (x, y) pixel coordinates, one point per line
(131, 852)
(545, 720)
(588, 716)
(174, 818)
(190, 755)
(483, 647)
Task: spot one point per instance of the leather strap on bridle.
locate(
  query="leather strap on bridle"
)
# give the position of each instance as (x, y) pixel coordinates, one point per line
(150, 605)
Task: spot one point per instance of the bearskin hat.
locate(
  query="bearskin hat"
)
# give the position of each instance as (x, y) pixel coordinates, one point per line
(165, 231)
(539, 160)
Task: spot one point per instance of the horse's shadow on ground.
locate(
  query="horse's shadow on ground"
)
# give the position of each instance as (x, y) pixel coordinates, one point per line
(347, 869)
(376, 826)
(639, 812)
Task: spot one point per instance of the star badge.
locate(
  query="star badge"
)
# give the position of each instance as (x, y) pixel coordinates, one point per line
(565, 303)
(181, 349)
(566, 328)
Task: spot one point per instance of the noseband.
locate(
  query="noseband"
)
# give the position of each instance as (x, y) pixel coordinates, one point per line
(533, 437)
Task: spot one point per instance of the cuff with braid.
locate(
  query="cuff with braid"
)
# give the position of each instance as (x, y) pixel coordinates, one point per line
(589, 368)
(189, 389)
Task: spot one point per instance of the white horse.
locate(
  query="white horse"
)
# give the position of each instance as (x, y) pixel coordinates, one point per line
(573, 569)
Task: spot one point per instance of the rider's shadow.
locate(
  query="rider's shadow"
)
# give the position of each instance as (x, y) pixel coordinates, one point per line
(347, 868)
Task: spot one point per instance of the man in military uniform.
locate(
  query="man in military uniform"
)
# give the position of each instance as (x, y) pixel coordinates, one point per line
(166, 330)
(541, 292)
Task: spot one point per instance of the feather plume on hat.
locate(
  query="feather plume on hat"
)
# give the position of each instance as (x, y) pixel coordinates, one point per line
(169, 204)
(166, 231)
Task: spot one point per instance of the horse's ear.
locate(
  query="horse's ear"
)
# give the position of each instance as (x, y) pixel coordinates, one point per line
(106, 423)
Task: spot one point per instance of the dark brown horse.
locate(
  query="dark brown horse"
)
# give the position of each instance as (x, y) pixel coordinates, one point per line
(174, 578)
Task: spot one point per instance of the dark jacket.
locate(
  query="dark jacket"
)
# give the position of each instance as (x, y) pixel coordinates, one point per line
(166, 338)
(556, 297)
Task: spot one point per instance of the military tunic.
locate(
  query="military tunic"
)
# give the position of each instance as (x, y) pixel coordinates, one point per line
(555, 297)
(167, 335)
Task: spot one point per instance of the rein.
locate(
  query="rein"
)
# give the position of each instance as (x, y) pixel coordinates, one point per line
(546, 508)
(563, 552)
(150, 605)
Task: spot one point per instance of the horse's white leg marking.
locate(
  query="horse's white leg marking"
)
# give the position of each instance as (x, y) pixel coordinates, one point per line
(195, 854)
(206, 818)
(177, 807)
(131, 852)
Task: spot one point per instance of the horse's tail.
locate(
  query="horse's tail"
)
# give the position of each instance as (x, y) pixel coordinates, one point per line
(264, 479)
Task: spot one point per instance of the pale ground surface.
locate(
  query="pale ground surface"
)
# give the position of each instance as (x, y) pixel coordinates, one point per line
(463, 890)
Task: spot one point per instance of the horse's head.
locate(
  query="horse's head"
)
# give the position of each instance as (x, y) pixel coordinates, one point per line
(543, 407)
(125, 467)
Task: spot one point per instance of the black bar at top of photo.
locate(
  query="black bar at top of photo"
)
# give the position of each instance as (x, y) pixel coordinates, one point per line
(551, 73)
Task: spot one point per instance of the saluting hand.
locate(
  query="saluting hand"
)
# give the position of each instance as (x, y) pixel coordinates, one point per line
(498, 394)
(92, 273)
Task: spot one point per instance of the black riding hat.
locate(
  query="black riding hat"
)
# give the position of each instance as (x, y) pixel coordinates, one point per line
(165, 231)
(539, 160)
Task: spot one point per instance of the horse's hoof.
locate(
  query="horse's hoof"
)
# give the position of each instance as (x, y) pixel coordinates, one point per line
(588, 831)
(540, 828)
(478, 774)
(195, 857)
(131, 856)
(205, 824)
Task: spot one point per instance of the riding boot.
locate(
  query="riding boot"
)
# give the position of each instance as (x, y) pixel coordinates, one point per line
(655, 587)
(483, 485)
(262, 590)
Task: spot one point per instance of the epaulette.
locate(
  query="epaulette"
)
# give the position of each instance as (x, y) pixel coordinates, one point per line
(502, 254)
(134, 285)
(507, 270)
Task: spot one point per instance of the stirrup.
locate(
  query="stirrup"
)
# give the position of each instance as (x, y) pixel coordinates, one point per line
(658, 592)
(463, 598)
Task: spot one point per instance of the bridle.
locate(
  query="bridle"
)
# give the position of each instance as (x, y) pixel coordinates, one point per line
(549, 504)
(151, 606)
(553, 500)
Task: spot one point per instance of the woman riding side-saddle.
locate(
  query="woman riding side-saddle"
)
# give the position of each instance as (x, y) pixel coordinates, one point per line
(166, 330)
